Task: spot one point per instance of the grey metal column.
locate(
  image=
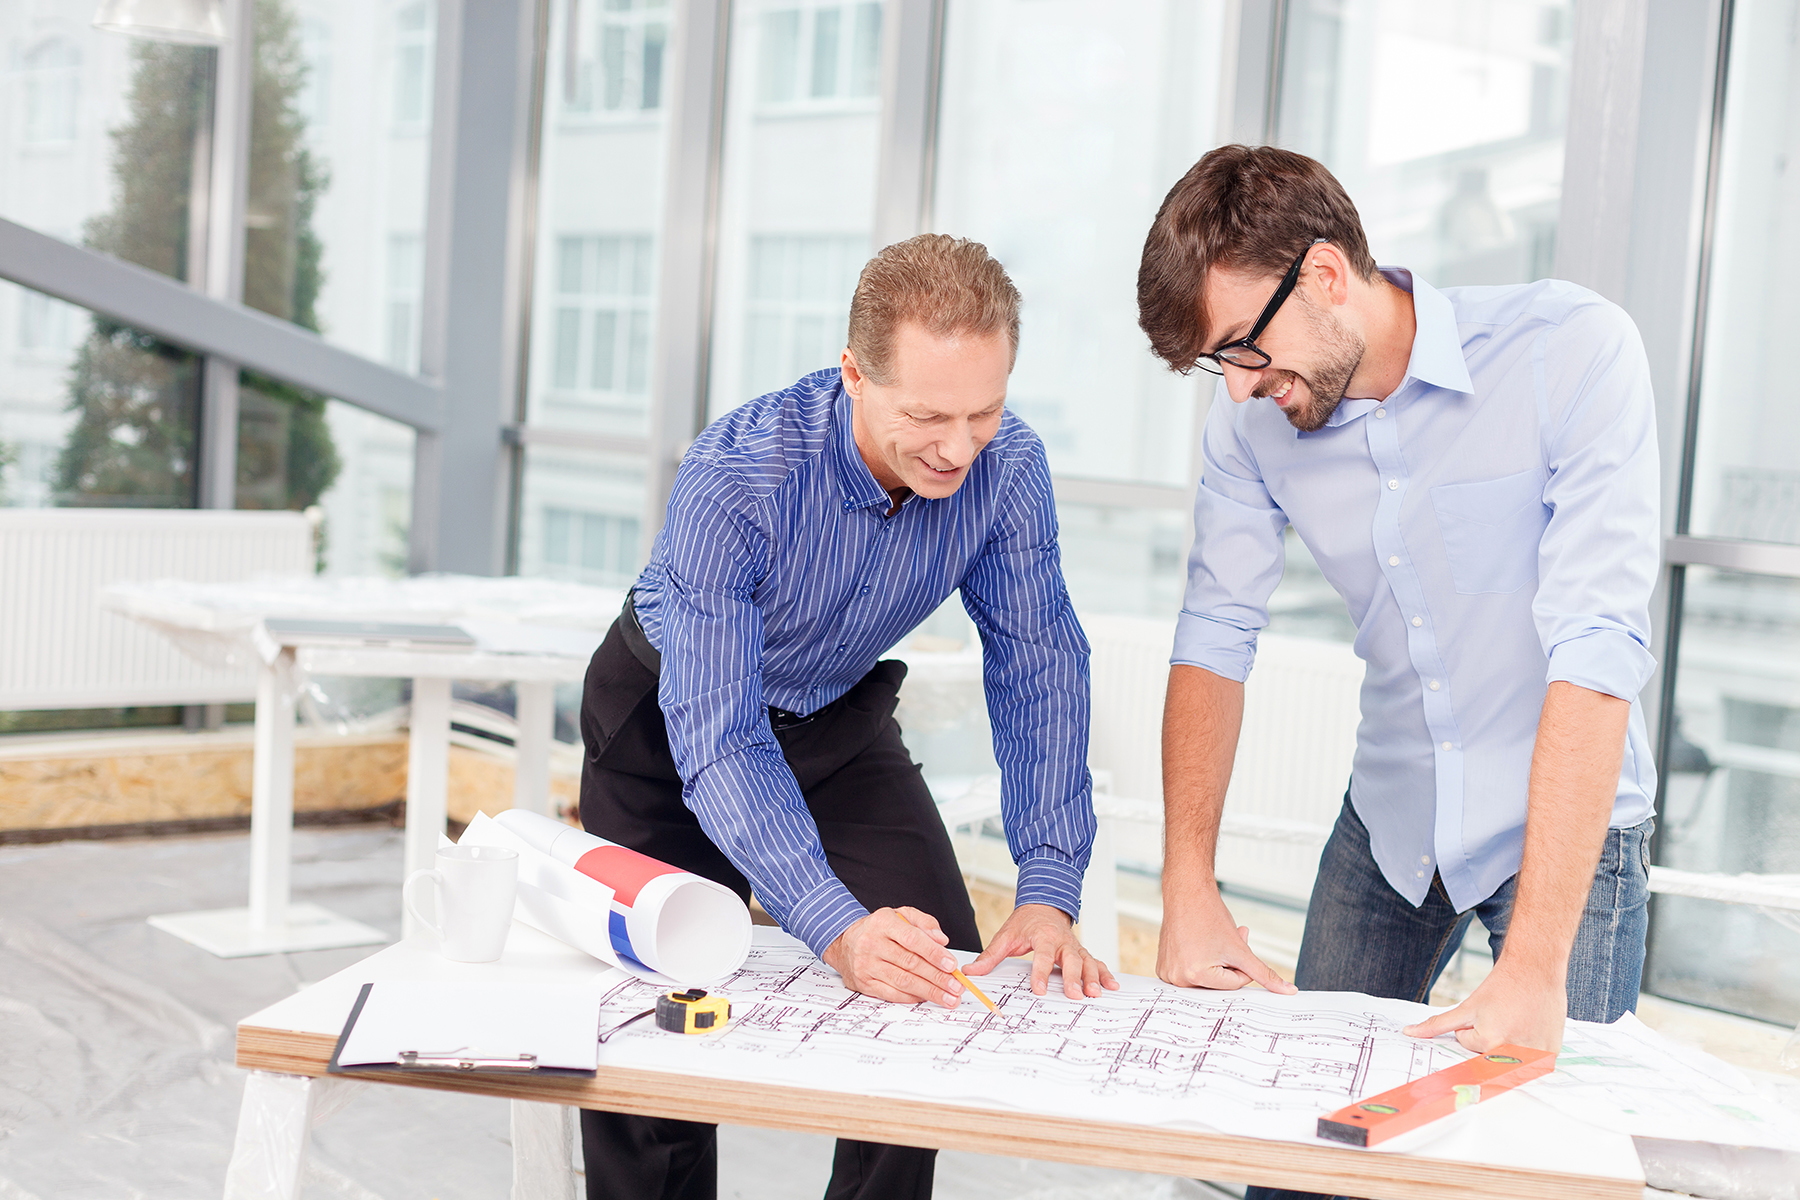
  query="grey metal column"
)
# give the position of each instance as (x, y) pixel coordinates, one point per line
(689, 249)
(223, 278)
(912, 37)
(1593, 235)
(474, 270)
(1260, 31)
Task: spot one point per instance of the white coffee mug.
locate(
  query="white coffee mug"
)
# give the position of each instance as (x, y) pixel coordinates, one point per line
(475, 889)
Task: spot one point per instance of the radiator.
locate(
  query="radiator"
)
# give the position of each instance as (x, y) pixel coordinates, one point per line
(1293, 756)
(59, 649)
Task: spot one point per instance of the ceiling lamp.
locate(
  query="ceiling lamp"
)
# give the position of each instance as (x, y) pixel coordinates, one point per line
(192, 22)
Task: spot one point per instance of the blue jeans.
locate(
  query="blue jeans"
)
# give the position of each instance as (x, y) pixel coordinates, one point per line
(1362, 936)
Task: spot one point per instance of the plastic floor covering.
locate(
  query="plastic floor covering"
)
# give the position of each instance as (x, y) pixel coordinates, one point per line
(116, 1075)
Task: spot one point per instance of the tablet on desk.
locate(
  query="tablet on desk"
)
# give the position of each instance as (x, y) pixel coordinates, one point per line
(286, 631)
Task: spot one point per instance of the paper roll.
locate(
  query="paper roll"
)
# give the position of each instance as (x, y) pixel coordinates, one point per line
(672, 921)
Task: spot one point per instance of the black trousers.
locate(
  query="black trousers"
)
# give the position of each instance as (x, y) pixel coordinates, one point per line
(882, 837)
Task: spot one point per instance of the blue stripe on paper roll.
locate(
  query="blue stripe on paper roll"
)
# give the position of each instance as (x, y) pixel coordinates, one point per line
(621, 936)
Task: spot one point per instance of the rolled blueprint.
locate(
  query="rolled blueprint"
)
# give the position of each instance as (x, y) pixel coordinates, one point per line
(617, 904)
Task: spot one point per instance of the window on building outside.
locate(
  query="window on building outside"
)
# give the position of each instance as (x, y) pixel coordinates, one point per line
(798, 307)
(405, 283)
(50, 74)
(797, 203)
(614, 62)
(589, 547)
(414, 26)
(603, 291)
(822, 52)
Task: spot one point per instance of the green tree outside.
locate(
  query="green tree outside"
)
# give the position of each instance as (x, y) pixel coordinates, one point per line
(137, 399)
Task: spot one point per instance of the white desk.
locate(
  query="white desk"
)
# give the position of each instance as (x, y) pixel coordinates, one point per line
(1507, 1148)
(538, 623)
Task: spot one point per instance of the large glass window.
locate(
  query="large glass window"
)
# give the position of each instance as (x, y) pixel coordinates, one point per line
(98, 135)
(1731, 791)
(92, 413)
(802, 124)
(1444, 119)
(1062, 126)
(580, 516)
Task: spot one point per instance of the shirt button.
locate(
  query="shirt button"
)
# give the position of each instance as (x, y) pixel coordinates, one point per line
(843, 646)
(1418, 621)
(1393, 560)
(1418, 874)
(1426, 859)
(1433, 685)
(1380, 413)
(1392, 484)
(1446, 745)
(865, 589)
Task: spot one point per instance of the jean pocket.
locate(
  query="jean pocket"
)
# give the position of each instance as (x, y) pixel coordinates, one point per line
(1491, 530)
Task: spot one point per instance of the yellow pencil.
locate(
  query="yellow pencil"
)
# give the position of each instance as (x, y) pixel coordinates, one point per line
(964, 980)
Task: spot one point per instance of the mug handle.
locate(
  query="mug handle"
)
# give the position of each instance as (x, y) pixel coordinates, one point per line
(406, 894)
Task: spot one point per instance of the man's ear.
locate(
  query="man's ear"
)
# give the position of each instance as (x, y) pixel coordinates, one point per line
(853, 376)
(1331, 272)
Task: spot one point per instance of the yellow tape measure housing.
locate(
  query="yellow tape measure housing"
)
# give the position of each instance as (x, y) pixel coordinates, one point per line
(692, 1011)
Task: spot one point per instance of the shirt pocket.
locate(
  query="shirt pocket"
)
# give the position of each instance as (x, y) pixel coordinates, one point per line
(1491, 530)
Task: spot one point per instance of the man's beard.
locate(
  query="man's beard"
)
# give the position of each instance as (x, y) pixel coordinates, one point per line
(1341, 352)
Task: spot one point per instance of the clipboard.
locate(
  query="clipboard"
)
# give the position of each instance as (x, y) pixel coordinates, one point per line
(476, 1028)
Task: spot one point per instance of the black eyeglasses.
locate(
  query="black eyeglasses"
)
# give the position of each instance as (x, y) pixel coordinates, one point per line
(1245, 352)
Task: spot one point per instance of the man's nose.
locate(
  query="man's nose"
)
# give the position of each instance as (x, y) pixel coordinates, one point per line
(1240, 382)
(958, 447)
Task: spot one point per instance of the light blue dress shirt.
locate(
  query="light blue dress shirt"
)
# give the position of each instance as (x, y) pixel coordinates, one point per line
(1493, 526)
(780, 580)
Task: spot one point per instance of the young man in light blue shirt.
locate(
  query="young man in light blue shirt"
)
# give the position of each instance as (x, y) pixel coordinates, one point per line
(1475, 471)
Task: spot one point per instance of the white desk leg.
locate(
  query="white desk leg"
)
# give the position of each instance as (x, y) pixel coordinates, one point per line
(536, 713)
(272, 797)
(273, 1133)
(543, 1148)
(1100, 898)
(427, 777)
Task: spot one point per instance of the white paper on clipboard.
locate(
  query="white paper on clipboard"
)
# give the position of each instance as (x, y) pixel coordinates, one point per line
(557, 1024)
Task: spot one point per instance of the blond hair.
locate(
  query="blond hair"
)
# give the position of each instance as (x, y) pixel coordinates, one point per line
(949, 286)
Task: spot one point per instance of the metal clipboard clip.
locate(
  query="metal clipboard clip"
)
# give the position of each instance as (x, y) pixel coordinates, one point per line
(456, 1060)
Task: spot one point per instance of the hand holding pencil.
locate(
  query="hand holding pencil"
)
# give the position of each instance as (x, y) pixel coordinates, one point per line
(898, 954)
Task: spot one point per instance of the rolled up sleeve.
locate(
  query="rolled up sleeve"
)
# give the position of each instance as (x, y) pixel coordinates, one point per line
(1236, 560)
(1599, 556)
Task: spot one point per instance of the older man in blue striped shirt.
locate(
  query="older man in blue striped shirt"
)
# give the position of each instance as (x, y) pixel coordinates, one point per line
(739, 724)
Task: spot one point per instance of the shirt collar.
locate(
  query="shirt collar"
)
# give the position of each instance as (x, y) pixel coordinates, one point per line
(860, 488)
(1437, 357)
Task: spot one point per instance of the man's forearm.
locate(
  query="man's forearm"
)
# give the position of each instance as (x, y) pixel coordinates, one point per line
(1574, 778)
(1202, 715)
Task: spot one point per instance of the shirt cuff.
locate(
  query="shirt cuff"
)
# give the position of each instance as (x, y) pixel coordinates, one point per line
(1604, 660)
(823, 913)
(1046, 876)
(1218, 646)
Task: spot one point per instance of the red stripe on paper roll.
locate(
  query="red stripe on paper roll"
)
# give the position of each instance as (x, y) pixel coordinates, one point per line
(624, 871)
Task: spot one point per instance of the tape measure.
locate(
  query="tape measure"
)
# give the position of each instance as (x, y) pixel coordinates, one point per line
(692, 1011)
(1438, 1094)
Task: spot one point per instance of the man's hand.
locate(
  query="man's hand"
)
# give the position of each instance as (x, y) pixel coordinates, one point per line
(1504, 1009)
(1047, 934)
(896, 954)
(1201, 946)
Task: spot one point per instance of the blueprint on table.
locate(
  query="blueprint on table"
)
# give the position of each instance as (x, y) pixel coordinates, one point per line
(1241, 1062)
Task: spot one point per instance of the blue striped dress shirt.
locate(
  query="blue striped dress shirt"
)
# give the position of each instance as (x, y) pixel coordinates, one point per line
(779, 580)
(1494, 525)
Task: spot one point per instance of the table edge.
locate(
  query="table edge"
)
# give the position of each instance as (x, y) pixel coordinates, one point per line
(982, 1130)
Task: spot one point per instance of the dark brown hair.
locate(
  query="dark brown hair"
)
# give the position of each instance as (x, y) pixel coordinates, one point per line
(1247, 208)
(947, 285)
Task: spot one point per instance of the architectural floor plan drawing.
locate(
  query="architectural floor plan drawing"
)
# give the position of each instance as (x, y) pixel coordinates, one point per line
(1243, 1062)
